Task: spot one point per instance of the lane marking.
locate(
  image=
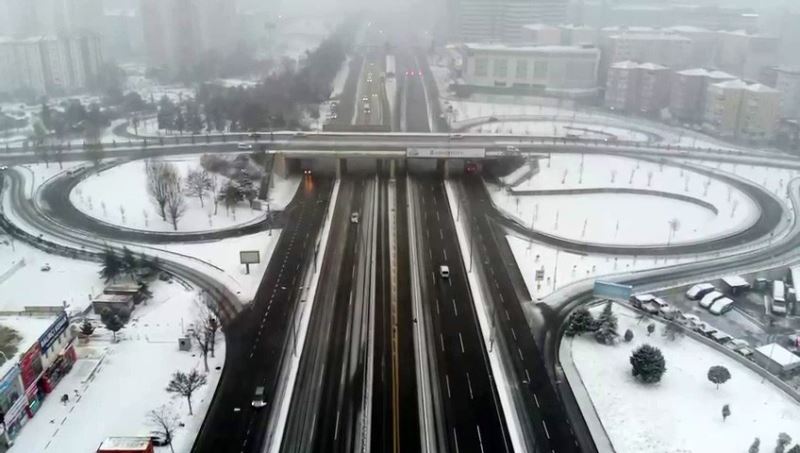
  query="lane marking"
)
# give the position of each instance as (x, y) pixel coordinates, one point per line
(455, 438)
(527, 376)
(480, 438)
(447, 381)
(546, 432)
(455, 309)
(520, 353)
(461, 340)
(536, 398)
(514, 334)
(469, 385)
(441, 341)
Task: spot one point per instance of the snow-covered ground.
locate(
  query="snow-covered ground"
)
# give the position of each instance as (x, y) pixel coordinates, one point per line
(129, 381)
(119, 196)
(24, 284)
(626, 219)
(560, 128)
(682, 413)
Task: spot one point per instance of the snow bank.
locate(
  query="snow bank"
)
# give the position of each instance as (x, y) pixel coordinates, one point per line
(682, 413)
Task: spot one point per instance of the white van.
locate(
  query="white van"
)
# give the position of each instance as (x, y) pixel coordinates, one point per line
(721, 306)
(258, 399)
(444, 271)
(710, 298)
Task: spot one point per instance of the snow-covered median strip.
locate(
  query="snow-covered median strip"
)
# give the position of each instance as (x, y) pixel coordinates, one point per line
(498, 370)
(285, 399)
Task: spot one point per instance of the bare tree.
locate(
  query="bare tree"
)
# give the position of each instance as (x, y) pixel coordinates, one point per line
(204, 331)
(185, 384)
(198, 182)
(175, 202)
(165, 419)
(161, 176)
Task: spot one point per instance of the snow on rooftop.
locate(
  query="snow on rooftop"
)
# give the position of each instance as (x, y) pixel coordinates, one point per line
(125, 443)
(652, 66)
(735, 83)
(735, 280)
(539, 27)
(779, 354)
(529, 49)
(29, 329)
(761, 88)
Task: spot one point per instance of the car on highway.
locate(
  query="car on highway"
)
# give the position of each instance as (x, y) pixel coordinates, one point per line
(444, 271)
(307, 171)
(300, 134)
(721, 306)
(456, 136)
(354, 217)
(710, 298)
(699, 290)
(3, 168)
(369, 77)
(258, 398)
(244, 146)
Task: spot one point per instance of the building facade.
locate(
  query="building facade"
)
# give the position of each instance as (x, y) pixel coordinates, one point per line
(688, 90)
(744, 112)
(787, 82)
(637, 88)
(492, 21)
(746, 55)
(560, 71)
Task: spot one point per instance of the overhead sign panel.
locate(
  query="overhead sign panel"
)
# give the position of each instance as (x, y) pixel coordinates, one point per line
(446, 153)
(609, 290)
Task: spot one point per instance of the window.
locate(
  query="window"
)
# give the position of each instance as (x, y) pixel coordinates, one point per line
(540, 70)
(481, 67)
(500, 67)
(522, 69)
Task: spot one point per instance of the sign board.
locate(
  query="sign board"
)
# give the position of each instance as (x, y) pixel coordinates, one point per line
(249, 256)
(30, 365)
(539, 274)
(614, 291)
(444, 153)
(54, 331)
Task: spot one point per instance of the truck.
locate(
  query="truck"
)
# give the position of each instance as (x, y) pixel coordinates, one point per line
(778, 297)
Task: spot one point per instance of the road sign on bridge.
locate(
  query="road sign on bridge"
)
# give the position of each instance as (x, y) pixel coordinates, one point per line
(451, 153)
(610, 290)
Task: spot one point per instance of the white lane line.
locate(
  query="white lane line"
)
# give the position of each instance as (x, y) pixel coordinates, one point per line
(480, 438)
(461, 340)
(437, 305)
(455, 309)
(437, 216)
(469, 385)
(519, 351)
(445, 254)
(496, 285)
(455, 438)
(536, 398)
(441, 235)
(508, 318)
(514, 334)
(501, 298)
(430, 254)
(336, 429)
(447, 381)
(527, 376)
(441, 341)
(546, 432)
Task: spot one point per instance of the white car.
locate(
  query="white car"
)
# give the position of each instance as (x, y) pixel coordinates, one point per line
(258, 399)
(354, 217)
(721, 306)
(699, 290)
(710, 298)
(444, 271)
(244, 146)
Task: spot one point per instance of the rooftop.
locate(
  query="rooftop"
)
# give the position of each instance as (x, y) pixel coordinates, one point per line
(529, 49)
(30, 329)
(125, 443)
(779, 354)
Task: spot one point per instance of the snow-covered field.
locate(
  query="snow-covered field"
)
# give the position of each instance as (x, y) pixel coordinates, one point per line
(129, 381)
(24, 284)
(626, 219)
(119, 196)
(682, 413)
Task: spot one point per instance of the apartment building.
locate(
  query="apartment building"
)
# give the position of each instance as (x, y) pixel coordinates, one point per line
(640, 88)
(688, 90)
(744, 112)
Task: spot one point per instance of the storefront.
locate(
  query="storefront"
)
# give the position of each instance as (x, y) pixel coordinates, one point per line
(30, 366)
(58, 353)
(12, 402)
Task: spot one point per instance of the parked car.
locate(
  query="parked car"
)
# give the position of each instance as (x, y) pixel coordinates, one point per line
(721, 306)
(704, 329)
(690, 319)
(640, 300)
(661, 306)
(710, 298)
(720, 337)
(699, 290)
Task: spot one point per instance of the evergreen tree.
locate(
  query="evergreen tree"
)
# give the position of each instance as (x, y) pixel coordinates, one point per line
(111, 267)
(783, 441)
(628, 336)
(648, 364)
(726, 412)
(129, 263)
(795, 449)
(87, 328)
(606, 325)
(651, 328)
(718, 375)
(114, 320)
(580, 321)
(755, 446)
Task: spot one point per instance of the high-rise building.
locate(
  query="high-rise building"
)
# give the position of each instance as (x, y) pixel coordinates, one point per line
(787, 82)
(641, 88)
(746, 55)
(501, 21)
(741, 111)
(688, 93)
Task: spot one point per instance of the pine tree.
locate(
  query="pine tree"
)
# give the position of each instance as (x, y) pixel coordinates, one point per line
(130, 265)
(112, 266)
(795, 449)
(783, 441)
(628, 336)
(718, 375)
(114, 320)
(726, 412)
(648, 364)
(87, 328)
(580, 321)
(755, 446)
(651, 328)
(606, 325)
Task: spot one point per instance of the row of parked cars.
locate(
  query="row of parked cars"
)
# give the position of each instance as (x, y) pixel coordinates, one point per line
(709, 298)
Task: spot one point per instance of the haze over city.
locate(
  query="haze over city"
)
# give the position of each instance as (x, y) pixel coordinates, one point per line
(528, 226)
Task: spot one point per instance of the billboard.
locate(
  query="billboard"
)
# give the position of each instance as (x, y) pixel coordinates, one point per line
(54, 331)
(249, 257)
(30, 365)
(444, 153)
(610, 290)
